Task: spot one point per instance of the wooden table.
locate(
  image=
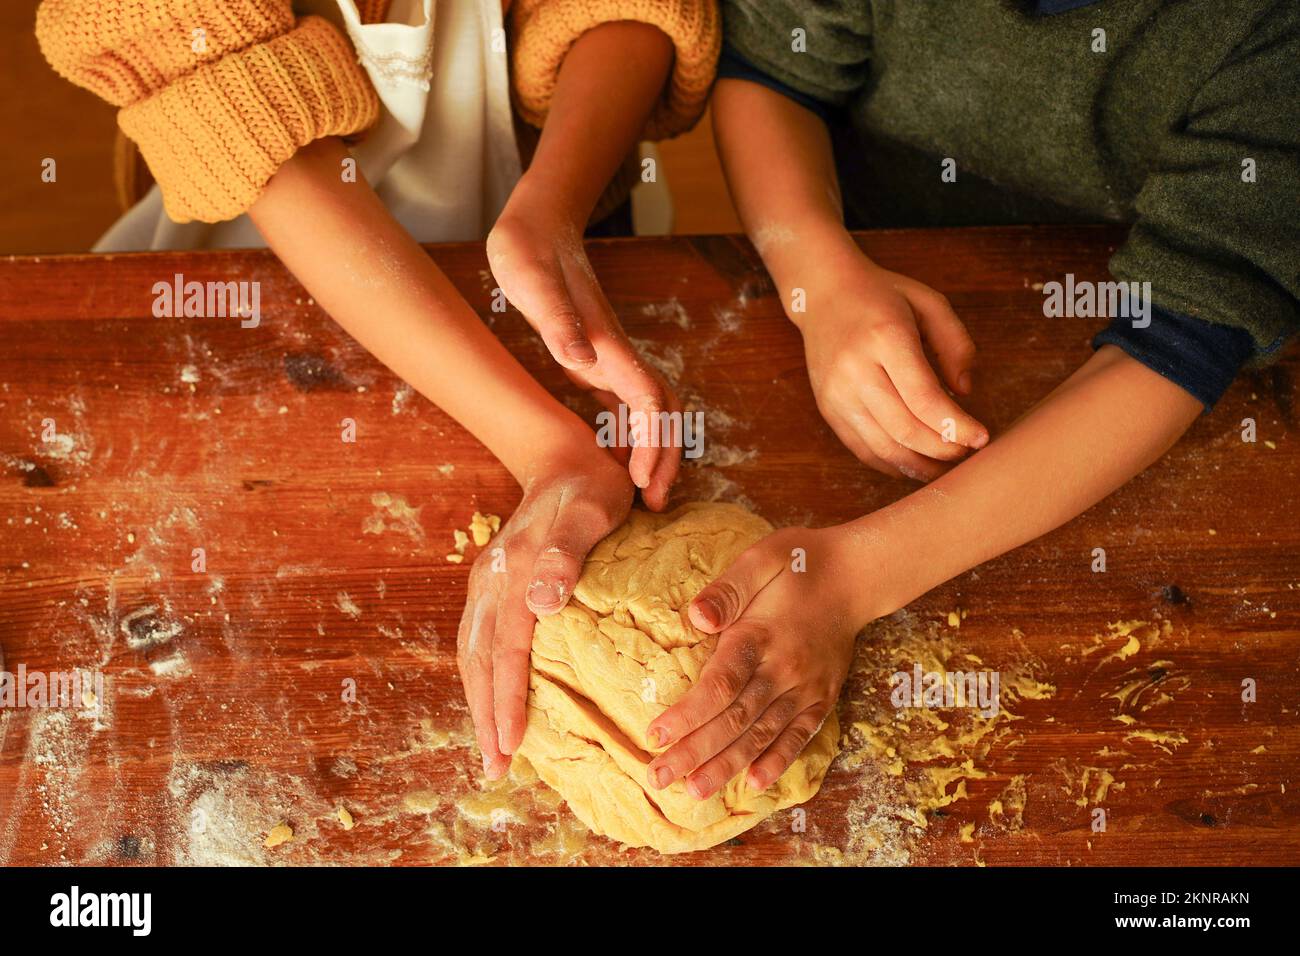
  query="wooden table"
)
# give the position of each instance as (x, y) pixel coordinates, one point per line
(223, 711)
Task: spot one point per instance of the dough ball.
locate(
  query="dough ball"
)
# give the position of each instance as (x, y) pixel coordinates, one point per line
(621, 652)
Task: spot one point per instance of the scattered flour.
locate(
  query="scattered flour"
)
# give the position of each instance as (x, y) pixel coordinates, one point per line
(392, 513)
(343, 601)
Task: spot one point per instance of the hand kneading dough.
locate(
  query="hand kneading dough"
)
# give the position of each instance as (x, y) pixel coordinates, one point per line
(617, 656)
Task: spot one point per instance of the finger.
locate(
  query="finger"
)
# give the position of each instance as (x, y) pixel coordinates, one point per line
(620, 452)
(644, 411)
(954, 349)
(858, 445)
(919, 387)
(717, 772)
(512, 643)
(778, 757)
(538, 290)
(607, 399)
(574, 531)
(623, 371)
(891, 413)
(724, 676)
(731, 723)
(655, 494)
(907, 462)
(722, 602)
(474, 657)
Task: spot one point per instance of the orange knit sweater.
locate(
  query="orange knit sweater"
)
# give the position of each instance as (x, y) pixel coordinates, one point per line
(219, 93)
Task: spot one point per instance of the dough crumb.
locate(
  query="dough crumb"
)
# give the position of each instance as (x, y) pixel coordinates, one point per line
(954, 618)
(280, 833)
(345, 818)
(482, 527)
(461, 539)
(455, 558)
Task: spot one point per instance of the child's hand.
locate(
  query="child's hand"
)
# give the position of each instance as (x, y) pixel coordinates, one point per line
(863, 333)
(787, 640)
(527, 571)
(536, 253)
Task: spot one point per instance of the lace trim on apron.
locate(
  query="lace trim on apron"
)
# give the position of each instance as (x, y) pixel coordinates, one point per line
(397, 67)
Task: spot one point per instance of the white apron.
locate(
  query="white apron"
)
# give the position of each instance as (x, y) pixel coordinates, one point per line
(442, 156)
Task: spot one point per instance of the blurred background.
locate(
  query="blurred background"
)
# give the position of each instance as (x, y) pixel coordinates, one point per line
(44, 115)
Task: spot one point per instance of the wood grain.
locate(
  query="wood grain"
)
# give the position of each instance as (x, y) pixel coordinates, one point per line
(223, 712)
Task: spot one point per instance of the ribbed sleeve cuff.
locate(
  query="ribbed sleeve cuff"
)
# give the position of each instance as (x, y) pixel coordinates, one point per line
(1199, 356)
(215, 136)
(544, 34)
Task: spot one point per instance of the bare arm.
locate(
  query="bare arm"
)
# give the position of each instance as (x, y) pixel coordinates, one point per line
(864, 327)
(607, 86)
(377, 283)
(781, 175)
(364, 269)
(1102, 426)
(786, 639)
(1098, 429)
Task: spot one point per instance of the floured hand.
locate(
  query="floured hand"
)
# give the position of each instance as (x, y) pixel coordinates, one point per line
(536, 253)
(787, 615)
(529, 572)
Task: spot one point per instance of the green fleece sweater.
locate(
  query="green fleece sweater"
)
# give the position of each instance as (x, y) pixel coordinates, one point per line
(1158, 123)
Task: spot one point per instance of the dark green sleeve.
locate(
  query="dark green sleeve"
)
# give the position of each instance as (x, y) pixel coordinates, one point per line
(836, 38)
(1211, 245)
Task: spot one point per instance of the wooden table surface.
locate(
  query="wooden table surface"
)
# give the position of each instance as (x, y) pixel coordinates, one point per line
(226, 709)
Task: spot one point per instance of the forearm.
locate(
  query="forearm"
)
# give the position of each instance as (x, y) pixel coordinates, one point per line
(608, 85)
(1097, 430)
(780, 170)
(375, 281)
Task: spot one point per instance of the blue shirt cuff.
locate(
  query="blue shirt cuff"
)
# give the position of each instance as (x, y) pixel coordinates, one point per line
(1200, 357)
(1050, 7)
(731, 65)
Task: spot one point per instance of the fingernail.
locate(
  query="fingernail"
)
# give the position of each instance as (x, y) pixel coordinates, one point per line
(543, 595)
(580, 352)
(657, 736)
(757, 781)
(709, 611)
(980, 441)
(963, 383)
(699, 786)
(663, 777)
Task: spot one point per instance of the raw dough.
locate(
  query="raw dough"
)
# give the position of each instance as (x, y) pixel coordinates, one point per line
(619, 654)
(280, 833)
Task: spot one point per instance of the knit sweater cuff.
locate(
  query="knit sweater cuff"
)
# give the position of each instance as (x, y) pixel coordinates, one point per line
(544, 32)
(215, 136)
